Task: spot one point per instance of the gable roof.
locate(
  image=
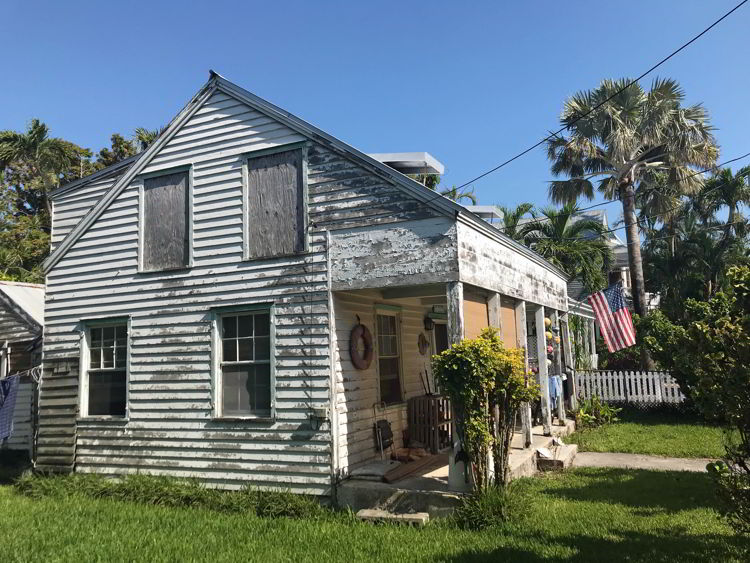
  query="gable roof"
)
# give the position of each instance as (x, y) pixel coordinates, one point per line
(111, 170)
(21, 310)
(216, 83)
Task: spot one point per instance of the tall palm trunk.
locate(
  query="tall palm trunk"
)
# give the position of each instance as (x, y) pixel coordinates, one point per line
(635, 261)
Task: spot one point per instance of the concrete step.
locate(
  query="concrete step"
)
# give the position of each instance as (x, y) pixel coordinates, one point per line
(562, 458)
(418, 519)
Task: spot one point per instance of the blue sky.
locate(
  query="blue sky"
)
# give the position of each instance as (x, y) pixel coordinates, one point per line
(471, 83)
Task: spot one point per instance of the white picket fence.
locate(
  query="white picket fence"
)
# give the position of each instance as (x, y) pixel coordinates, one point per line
(642, 387)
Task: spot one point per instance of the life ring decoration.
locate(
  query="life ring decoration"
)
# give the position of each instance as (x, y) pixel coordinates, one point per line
(360, 359)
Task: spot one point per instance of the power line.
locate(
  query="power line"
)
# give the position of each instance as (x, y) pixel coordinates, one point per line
(607, 201)
(595, 108)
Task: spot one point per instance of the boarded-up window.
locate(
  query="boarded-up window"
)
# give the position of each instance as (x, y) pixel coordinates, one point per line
(165, 232)
(475, 316)
(275, 205)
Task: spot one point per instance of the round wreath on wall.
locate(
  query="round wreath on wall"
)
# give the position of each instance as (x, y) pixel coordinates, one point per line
(360, 358)
(423, 344)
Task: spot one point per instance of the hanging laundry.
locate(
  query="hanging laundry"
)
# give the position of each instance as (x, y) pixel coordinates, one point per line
(555, 389)
(8, 391)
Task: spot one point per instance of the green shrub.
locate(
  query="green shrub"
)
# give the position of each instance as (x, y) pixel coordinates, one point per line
(593, 413)
(492, 506)
(172, 492)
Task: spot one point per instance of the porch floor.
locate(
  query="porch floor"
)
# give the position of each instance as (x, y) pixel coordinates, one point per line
(427, 490)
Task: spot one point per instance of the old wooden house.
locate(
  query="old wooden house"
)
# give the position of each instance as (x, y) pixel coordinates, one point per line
(201, 298)
(21, 326)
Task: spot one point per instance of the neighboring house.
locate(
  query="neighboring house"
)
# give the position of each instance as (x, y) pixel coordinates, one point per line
(21, 325)
(201, 297)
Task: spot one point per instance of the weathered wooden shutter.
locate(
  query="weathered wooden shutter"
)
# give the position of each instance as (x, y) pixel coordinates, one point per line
(165, 233)
(276, 213)
(508, 314)
(476, 316)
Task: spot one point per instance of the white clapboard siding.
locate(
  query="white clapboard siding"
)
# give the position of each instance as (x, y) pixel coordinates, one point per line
(171, 429)
(23, 433)
(629, 386)
(358, 390)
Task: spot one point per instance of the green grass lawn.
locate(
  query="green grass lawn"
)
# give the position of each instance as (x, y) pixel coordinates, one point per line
(583, 515)
(655, 433)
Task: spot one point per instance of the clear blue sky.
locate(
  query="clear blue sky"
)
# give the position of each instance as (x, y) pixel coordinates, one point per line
(470, 82)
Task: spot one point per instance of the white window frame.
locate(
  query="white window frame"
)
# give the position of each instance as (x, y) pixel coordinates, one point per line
(217, 352)
(246, 158)
(85, 366)
(139, 184)
(390, 311)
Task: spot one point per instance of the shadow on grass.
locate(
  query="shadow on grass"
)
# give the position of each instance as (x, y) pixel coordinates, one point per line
(623, 546)
(665, 491)
(12, 464)
(660, 415)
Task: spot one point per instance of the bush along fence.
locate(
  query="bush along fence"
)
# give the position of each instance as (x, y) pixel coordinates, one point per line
(639, 387)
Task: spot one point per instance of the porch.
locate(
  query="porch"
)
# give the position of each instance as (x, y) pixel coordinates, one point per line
(409, 324)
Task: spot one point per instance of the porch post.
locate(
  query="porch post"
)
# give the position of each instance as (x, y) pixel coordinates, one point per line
(458, 478)
(558, 367)
(523, 344)
(592, 344)
(541, 345)
(494, 312)
(570, 361)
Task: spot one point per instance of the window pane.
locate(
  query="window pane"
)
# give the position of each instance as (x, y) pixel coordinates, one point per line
(246, 390)
(262, 325)
(441, 338)
(245, 349)
(229, 351)
(121, 355)
(96, 357)
(107, 393)
(108, 334)
(108, 357)
(96, 337)
(245, 325)
(262, 348)
(390, 384)
(229, 325)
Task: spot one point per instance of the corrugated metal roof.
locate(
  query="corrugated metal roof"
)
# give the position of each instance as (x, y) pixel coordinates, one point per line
(21, 310)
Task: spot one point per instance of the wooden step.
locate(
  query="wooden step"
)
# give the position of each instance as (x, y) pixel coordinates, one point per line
(562, 458)
(418, 519)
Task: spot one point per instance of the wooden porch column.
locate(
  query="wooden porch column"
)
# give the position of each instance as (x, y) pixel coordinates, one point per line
(458, 477)
(592, 343)
(522, 343)
(570, 361)
(541, 344)
(558, 368)
(494, 312)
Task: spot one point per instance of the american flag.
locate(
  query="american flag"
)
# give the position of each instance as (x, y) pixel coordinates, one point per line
(615, 322)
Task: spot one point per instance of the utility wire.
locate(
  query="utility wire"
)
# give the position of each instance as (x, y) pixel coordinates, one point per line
(596, 107)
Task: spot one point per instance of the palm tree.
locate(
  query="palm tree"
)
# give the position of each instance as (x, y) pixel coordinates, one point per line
(512, 225)
(622, 143)
(458, 195)
(143, 137)
(730, 191)
(576, 247)
(46, 159)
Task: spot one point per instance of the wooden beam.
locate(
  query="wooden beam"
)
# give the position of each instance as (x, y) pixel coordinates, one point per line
(523, 344)
(570, 362)
(458, 477)
(494, 312)
(558, 368)
(429, 290)
(541, 344)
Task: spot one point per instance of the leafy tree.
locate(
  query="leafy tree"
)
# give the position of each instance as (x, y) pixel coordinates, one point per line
(487, 384)
(576, 247)
(431, 181)
(512, 216)
(621, 145)
(143, 137)
(120, 150)
(709, 355)
(730, 191)
(34, 164)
